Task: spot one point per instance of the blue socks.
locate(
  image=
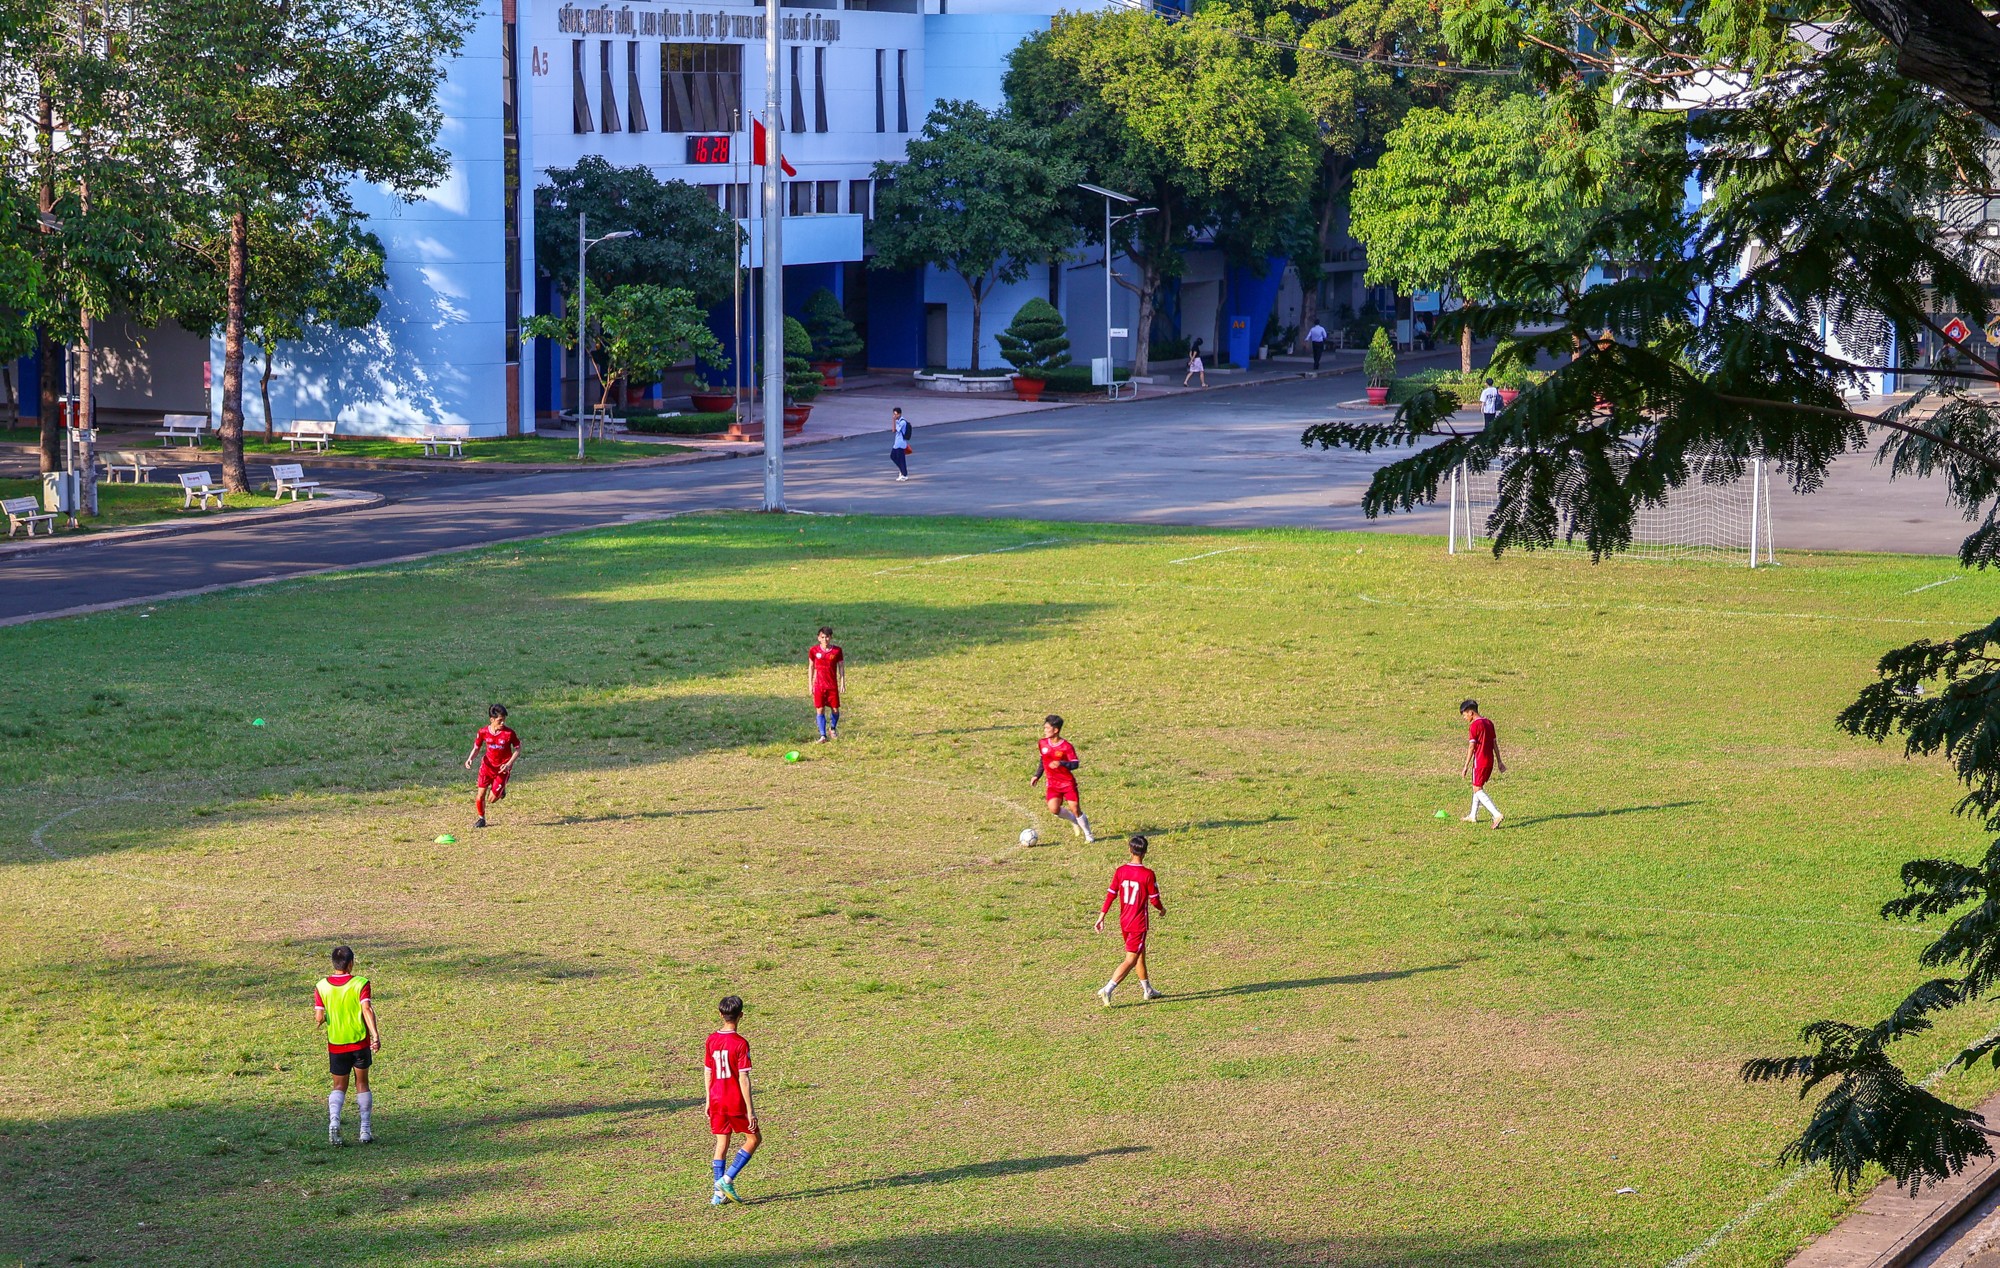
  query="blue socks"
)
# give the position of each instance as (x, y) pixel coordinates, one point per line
(822, 724)
(718, 1170)
(742, 1161)
(835, 723)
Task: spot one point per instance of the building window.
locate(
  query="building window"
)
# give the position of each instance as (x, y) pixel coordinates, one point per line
(798, 94)
(860, 199)
(579, 116)
(798, 198)
(635, 101)
(737, 200)
(827, 198)
(701, 87)
(607, 109)
(819, 90)
(902, 90)
(881, 122)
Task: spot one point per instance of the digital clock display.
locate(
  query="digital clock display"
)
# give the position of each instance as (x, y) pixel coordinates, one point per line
(708, 149)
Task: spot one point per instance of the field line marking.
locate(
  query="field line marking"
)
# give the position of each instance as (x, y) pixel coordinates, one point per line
(1209, 555)
(952, 559)
(1933, 585)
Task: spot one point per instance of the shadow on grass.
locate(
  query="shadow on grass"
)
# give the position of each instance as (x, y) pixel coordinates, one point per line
(1143, 1247)
(1303, 984)
(569, 820)
(1604, 814)
(953, 1175)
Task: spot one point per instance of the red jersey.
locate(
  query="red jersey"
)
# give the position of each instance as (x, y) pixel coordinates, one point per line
(726, 1053)
(1485, 744)
(1134, 888)
(497, 744)
(825, 664)
(340, 979)
(1054, 753)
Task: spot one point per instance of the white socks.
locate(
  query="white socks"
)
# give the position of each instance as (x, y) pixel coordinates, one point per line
(1479, 798)
(366, 1102)
(1083, 821)
(334, 1100)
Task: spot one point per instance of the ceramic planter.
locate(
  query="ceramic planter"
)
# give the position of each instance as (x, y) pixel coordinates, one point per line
(1378, 395)
(1027, 389)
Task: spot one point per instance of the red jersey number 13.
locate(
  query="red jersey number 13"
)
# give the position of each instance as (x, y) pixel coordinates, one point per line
(720, 1058)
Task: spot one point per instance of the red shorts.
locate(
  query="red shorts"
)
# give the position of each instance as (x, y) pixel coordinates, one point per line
(493, 777)
(1481, 773)
(723, 1119)
(1064, 790)
(826, 696)
(1135, 939)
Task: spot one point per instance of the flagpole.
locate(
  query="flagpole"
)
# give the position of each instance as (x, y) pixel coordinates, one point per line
(774, 275)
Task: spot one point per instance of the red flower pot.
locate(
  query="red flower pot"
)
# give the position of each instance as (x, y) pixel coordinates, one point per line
(829, 373)
(713, 402)
(1378, 395)
(1507, 395)
(1026, 389)
(795, 418)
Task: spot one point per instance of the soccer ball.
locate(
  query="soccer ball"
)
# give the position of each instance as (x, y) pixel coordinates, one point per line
(1029, 836)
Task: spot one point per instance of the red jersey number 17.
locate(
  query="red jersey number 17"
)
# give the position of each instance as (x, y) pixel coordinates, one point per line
(1128, 893)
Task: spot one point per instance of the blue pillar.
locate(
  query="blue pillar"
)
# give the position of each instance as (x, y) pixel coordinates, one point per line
(896, 320)
(1247, 307)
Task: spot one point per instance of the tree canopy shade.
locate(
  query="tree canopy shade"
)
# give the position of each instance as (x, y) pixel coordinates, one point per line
(1186, 116)
(637, 333)
(683, 239)
(1829, 178)
(295, 101)
(978, 194)
(308, 272)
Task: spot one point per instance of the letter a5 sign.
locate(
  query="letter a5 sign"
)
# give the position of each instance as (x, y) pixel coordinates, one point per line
(1957, 331)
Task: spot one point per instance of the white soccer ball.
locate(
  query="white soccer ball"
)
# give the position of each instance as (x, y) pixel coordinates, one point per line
(1029, 836)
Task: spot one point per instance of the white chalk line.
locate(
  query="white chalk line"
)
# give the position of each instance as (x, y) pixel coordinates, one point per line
(952, 559)
(1933, 585)
(1210, 555)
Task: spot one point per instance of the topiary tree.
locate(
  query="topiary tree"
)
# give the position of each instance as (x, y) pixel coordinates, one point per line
(834, 337)
(1037, 341)
(1380, 362)
(802, 382)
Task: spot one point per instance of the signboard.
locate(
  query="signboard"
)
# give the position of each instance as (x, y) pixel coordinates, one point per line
(1120, 332)
(708, 149)
(1957, 331)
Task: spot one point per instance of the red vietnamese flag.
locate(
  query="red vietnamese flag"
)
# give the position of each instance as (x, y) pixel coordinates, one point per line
(757, 149)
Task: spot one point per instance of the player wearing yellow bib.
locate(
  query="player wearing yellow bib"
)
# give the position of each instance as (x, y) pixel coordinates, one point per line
(343, 1005)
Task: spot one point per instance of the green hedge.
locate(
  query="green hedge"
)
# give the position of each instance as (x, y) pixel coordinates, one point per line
(1076, 378)
(690, 424)
(1465, 386)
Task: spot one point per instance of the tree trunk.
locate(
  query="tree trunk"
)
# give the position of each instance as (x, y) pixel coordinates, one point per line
(1465, 348)
(86, 417)
(1949, 44)
(264, 394)
(234, 477)
(978, 289)
(1142, 333)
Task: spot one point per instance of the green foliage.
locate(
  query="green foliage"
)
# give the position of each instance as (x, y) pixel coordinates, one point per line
(1076, 378)
(638, 333)
(1464, 385)
(834, 337)
(802, 382)
(1379, 362)
(1037, 340)
(979, 193)
(687, 423)
(683, 239)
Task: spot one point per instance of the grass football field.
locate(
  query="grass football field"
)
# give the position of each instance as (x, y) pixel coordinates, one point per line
(1389, 1039)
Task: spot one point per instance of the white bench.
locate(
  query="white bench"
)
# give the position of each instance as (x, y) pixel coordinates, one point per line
(137, 461)
(197, 484)
(444, 444)
(27, 511)
(290, 477)
(317, 432)
(183, 429)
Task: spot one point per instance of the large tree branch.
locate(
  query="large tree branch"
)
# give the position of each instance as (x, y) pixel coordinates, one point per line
(1985, 460)
(1948, 44)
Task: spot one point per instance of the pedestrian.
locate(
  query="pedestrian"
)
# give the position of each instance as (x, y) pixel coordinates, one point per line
(899, 443)
(1489, 402)
(344, 1007)
(1134, 888)
(725, 1065)
(1195, 369)
(1317, 338)
(1482, 759)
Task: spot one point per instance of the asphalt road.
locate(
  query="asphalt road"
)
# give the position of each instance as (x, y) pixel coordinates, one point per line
(1228, 458)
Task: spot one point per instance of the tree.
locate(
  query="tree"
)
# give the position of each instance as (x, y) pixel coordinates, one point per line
(637, 333)
(978, 194)
(833, 335)
(1036, 341)
(683, 239)
(1830, 180)
(272, 101)
(308, 272)
(802, 382)
(1187, 116)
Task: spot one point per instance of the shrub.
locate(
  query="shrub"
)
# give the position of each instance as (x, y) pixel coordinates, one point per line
(1460, 384)
(687, 424)
(1076, 378)
(1380, 362)
(1037, 341)
(834, 337)
(802, 382)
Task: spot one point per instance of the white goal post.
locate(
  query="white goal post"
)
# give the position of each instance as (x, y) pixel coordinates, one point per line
(1726, 522)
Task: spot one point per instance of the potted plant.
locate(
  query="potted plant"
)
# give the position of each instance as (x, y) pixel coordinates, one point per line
(704, 398)
(1510, 385)
(802, 382)
(1380, 366)
(834, 338)
(1034, 344)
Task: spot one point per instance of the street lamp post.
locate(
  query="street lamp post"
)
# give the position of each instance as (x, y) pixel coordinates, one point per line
(583, 245)
(1109, 195)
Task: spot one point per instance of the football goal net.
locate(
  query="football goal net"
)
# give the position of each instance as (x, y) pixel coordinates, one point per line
(1724, 522)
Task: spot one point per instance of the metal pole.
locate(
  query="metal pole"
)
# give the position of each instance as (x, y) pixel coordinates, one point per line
(1755, 473)
(1108, 354)
(1451, 521)
(582, 337)
(774, 277)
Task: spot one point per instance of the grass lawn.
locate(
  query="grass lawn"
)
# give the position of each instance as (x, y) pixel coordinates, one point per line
(120, 505)
(1389, 1039)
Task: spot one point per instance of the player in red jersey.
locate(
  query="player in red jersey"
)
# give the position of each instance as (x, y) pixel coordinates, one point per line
(827, 672)
(1136, 890)
(1057, 760)
(496, 746)
(1482, 759)
(725, 1064)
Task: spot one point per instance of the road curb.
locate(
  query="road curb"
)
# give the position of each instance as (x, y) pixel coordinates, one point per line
(347, 500)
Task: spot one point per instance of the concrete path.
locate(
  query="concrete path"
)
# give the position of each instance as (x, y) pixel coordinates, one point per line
(1228, 458)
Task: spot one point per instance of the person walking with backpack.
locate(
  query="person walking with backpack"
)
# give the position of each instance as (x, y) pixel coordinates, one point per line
(899, 443)
(1316, 339)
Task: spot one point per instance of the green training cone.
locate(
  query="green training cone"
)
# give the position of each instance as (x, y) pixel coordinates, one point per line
(256, 722)
(1443, 815)
(447, 839)
(792, 756)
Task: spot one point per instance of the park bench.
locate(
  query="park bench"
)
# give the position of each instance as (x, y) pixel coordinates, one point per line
(290, 477)
(441, 443)
(317, 432)
(137, 461)
(183, 429)
(197, 484)
(27, 511)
